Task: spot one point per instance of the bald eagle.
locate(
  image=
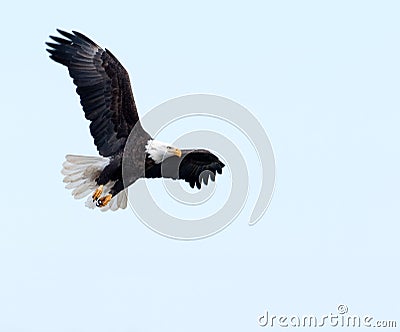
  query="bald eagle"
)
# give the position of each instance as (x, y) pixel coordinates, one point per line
(107, 100)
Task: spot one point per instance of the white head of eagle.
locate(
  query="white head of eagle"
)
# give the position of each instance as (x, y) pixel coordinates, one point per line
(158, 151)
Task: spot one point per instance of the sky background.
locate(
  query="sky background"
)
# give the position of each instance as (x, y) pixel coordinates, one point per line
(322, 77)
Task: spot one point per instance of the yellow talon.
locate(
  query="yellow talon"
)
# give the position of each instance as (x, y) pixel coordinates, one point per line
(97, 193)
(104, 200)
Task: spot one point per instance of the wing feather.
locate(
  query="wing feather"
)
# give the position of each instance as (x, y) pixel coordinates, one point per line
(198, 166)
(195, 167)
(103, 86)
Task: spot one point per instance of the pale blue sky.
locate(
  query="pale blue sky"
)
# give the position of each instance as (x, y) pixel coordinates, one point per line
(323, 79)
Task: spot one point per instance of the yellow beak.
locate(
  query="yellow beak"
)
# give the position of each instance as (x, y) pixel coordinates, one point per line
(178, 153)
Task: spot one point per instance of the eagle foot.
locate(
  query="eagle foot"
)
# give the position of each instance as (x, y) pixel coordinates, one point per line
(104, 200)
(97, 193)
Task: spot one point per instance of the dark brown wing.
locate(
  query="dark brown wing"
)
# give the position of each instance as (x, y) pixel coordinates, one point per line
(195, 167)
(198, 166)
(103, 86)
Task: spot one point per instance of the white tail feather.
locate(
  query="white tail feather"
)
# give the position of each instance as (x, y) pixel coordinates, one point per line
(80, 174)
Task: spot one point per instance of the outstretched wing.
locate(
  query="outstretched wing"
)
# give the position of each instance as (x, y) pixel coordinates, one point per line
(195, 167)
(103, 86)
(199, 166)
